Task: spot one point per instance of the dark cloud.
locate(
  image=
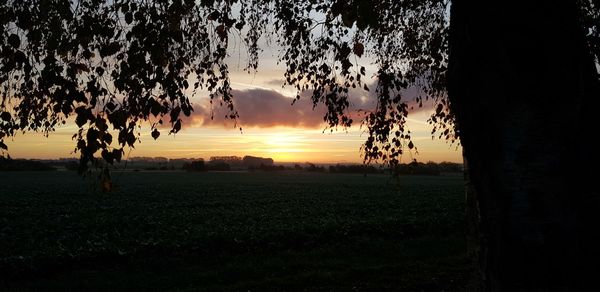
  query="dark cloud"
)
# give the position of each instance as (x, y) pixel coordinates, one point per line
(263, 108)
(276, 82)
(267, 108)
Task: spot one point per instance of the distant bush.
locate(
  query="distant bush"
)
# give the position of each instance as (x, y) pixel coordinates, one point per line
(197, 165)
(23, 165)
(418, 168)
(450, 167)
(264, 167)
(218, 166)
(355, 168)
(252, 162)
(232, 161)
(314, 168)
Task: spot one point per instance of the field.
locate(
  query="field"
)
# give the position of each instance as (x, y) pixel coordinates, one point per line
(232, 232)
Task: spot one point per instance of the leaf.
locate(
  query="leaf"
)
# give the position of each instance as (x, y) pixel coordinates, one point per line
(81, 144)
(107, 138)
(176, 127)
(155, 107)
(359, 49)
(110, 49)
(5, 116)
(99, 71)
(108, 156)
(130, 139)
(175, 114)
(128, 17)
(87, 54)
(110, 106)
(82, 116)
(439, 108)
(155, 134)
(221, 32)
(101, 124)
(214, 15)
(80, 67)
(14, 40)
(117, 154)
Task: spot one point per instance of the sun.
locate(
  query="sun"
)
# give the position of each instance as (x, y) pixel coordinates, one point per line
(284, 142)
(285, 146)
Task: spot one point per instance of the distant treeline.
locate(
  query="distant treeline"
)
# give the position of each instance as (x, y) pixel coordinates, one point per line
(23, 165)
(235, 163)
(354, 168)
(413, 168)
(429, 168)
(227, 163)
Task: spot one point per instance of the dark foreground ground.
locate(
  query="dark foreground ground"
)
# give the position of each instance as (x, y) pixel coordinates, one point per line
(232, 231)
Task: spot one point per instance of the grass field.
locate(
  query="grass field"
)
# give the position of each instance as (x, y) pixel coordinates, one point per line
(232, 231)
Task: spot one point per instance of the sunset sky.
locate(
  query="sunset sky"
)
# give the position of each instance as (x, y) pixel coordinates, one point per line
(272, 127)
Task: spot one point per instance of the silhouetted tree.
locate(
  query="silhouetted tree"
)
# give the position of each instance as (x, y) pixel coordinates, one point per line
(417, 168)
(256, 162)
(218, 165)
(524, 92)
(197, 165)
(311, 167)
(522, 89)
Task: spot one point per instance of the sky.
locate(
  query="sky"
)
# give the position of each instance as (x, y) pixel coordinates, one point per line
(271, 127)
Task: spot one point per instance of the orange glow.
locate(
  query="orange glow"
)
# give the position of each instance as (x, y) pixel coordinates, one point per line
(281, 144)
(292, 143)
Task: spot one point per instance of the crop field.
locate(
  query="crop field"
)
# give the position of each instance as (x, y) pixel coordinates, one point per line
(247, 231)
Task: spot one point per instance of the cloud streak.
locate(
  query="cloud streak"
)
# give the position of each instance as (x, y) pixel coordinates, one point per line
(264, 108)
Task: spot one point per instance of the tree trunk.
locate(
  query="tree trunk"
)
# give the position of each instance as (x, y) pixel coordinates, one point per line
(524, 90)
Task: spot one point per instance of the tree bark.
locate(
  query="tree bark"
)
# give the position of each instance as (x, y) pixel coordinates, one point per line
(524, 90)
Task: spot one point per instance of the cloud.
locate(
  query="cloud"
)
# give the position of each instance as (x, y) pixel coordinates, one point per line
(276, 82)
(264, 108)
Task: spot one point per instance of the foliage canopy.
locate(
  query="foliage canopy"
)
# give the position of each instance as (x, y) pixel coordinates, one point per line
(114, 64)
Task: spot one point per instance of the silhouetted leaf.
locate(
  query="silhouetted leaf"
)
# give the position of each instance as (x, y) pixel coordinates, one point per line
(108, 156)
(221, 32)
(130, 138)
(359, 49)
(176, 126)
(128, 17)
(5, 116)
(82, 116)
(155, 134)
(117, 154)
(107, 138)
(110, 49)
(14, 40)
